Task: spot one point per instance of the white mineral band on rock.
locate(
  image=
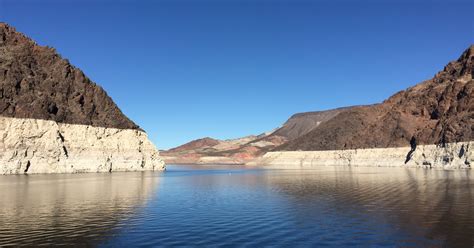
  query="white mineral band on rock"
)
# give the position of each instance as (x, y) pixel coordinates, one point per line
(452, 155)
(43, 146)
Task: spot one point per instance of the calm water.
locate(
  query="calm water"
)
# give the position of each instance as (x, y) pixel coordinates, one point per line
(225, 206)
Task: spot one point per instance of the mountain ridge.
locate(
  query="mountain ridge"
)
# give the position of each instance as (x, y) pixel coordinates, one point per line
(436, 111)
(37, 83)
(54, 119)
(241, 150)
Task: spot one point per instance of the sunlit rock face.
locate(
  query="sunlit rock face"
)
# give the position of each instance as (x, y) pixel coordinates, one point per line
(41, 146)
(449, 156)
(53, 119)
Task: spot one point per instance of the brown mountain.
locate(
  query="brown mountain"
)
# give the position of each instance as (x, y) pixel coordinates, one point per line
(35, 82)
(196, 144)
(241, 150)
(53, 119)
(209, 150)
(302, 123)
(436, 111)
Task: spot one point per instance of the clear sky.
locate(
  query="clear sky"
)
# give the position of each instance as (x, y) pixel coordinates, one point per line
(188, 69)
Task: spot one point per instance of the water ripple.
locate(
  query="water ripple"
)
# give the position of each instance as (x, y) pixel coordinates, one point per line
(240, 207)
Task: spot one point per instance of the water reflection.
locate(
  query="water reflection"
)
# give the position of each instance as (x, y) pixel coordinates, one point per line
(333, 206)
(234, 206)
(69, 209)
(429, 207)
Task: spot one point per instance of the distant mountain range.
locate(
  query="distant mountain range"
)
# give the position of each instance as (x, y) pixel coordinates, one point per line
(238, 151)
(436, 111)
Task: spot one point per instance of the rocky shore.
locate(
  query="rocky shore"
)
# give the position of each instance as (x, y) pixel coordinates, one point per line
(42, 146)
(450, 156)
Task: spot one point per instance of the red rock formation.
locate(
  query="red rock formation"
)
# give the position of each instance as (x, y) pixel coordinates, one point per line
(196, 144)
(238, 151)
(436, 111)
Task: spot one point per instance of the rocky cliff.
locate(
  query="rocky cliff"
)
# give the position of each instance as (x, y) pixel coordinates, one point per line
(450, 156)
(54, 119)
(427, 116)
(436, 111)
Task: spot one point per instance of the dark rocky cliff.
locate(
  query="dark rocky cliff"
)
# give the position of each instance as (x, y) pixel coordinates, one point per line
(35, 82)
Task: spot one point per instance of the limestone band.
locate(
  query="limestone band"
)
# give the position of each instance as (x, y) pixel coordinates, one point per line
(53, 119)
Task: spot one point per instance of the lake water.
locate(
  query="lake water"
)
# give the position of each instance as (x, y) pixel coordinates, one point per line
(211, 206)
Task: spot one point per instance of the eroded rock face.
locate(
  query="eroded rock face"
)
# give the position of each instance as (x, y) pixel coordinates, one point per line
(436, 111)
(41, 146)
(450, 156)
(53, 119)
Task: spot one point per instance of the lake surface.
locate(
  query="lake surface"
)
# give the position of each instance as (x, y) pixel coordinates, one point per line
(211, 206)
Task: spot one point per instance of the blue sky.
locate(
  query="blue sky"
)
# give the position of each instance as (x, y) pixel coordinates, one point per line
(188, 69)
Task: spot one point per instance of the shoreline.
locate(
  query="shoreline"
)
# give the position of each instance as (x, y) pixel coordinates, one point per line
(451, 156)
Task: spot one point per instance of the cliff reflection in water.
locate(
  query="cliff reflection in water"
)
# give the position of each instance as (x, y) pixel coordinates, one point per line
(334, 206)
(69, 209)
(209, 206)
(429, 204)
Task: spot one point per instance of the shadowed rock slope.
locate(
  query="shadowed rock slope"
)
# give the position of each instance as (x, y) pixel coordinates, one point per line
(35, 82)
(436, 111)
